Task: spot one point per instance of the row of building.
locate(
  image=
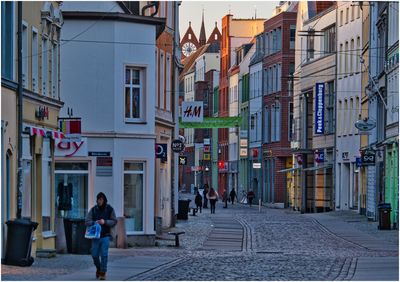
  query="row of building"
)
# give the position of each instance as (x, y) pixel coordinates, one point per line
(109, 72)
(316, 88)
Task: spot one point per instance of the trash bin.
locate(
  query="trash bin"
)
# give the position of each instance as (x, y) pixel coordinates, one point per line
(384, 216)
(19, 242)
(183, 209)
(75, 236)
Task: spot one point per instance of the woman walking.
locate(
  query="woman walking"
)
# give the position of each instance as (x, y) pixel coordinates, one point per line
(212, 195)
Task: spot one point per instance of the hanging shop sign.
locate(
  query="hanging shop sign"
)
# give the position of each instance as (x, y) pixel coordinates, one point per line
(299, 159)
(212, 122)
(182, 160)
(104, 166)
(368, 157)
(42, 112)
(243, 152)
(161, 151)
(177, 146)
(243, 143)
(365, 124)
(71, 149)
(192, 111)
(319, 108)
(358, 162)
(256, 165)
(207, 141)
(207, 156)
(207, 148)
(345, 155)
(71, 127)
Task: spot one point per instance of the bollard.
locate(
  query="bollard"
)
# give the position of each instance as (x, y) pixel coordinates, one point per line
(259, 205)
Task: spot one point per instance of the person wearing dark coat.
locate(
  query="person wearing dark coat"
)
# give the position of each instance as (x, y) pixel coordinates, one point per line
(198, 201)
(103, 214)
(233, 195)
(250, 197)
(205, 199)
(225, 198)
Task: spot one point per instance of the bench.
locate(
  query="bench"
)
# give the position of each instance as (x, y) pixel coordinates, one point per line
(176, 234)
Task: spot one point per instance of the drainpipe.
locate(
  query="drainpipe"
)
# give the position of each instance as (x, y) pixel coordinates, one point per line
(19, 112)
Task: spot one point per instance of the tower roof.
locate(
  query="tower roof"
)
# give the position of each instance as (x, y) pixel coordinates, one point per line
(202, 38)
(215, 35)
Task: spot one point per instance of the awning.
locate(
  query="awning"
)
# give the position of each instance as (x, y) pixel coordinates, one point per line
(289, 169)
(327, 165)
(39, 131)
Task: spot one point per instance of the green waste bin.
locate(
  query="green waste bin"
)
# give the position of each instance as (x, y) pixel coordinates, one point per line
(384, 216)
(19, 242)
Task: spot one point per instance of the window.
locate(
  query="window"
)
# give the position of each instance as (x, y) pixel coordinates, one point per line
(46, 185)
(25, 54)
(190, 36)
(266, 125)
(357, 111)
(215, 36)
(358, 11)
(7, 39)
(279, 39)
(341, 17)
(340, 118)
(341, 58)
(275, 122)
(292, 36)
(133, 196)
(55, 71)
(168, 83)
(279, 76)
(347, 15)
(351, 57)
(330, 113)
(134, 79)
(345, 117)
(330, 40)
(162, 80)
(274, 79)
(351, 116)
(291, 122)
(27, 178)
(346, 58)
(35, 60)
(45, 63)
(352, 12)
(310, 46)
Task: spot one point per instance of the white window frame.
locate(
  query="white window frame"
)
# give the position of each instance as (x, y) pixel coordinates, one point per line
(35, 60)
(25, 55)
(45, 65)
(143, 172)
(142, 94)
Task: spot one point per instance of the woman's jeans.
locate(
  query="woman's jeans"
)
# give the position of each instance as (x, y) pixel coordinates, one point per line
(212, 204)
(100, 250)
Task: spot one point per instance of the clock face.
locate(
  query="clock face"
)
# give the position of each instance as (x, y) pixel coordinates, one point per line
(188, 48)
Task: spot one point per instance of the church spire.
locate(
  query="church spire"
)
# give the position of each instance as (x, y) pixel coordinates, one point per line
(202, 38)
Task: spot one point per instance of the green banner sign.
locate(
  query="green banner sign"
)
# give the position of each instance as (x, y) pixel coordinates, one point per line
(213, 122)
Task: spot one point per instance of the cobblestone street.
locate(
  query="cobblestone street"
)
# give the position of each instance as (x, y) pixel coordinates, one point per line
(273, 244)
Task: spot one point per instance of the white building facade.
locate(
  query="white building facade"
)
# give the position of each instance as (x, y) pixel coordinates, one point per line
(107, 85)
(233, 167)
(348, 101)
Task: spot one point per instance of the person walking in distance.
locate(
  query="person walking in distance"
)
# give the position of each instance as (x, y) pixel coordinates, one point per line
(103, 214)
(225, 199)
(198, 201)
(233, 195)
(250, 197)
(212, 195)
(205, 200)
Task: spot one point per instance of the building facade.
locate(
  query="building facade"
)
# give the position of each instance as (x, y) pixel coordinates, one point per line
(116, 154)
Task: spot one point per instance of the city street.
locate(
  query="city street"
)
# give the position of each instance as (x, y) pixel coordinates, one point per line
(243, 243)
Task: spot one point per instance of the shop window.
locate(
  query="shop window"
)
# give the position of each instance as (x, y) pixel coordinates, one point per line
(71, 189)
(133, 196)
(46, 186)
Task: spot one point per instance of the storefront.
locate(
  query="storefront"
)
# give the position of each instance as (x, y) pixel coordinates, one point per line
(392, 181)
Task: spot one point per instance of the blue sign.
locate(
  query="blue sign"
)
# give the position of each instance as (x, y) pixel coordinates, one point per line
(319, 156)
(319, 108)
(358, 162)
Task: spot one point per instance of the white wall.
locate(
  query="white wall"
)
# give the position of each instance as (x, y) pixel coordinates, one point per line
(91, 6)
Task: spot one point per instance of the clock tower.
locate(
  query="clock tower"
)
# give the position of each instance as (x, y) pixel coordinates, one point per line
(189, 42)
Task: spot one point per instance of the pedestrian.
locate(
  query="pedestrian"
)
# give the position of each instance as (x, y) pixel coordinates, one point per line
(198, 201)
(250, 197)
(205, 199)
(233, 195)
(103, 214)
(225, 198)
(212, 195)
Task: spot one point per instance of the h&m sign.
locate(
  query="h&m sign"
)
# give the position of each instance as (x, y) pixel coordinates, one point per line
(192, 111)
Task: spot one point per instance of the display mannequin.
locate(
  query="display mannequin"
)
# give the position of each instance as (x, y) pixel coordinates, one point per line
(64, 196)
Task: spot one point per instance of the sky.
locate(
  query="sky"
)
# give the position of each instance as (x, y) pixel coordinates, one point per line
(215, 10)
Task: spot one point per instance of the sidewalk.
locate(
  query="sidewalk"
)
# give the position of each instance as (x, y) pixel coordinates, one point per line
(357, 229)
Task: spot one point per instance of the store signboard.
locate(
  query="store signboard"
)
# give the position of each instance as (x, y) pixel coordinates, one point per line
(192, 111)
(319, 108)
(71, 149)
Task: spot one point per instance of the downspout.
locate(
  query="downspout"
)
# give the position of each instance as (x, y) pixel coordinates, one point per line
(19, 111)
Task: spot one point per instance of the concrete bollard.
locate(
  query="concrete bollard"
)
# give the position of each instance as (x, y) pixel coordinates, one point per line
(122, 240)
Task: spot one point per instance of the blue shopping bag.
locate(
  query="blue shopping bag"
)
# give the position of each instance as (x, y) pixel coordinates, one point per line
(93, 232)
